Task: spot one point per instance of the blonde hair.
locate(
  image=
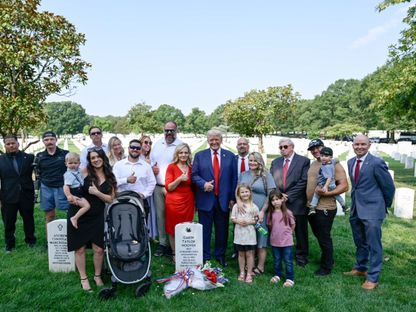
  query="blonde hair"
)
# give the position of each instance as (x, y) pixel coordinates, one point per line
(141, 142)
(110, 154)
(178, 149)
(72, 156)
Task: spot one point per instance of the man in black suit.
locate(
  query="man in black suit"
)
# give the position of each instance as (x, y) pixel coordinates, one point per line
(17, 192)
(290, 172)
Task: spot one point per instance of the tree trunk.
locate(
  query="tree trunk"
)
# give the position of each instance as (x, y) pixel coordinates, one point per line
(261, 147)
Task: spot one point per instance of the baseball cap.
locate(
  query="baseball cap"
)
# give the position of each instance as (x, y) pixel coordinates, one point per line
(315, 143)
(327, 151)
(48, 134)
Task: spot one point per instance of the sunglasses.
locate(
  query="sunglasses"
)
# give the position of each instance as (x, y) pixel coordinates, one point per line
(94, 149)
(283, 147)
(95, 133)
(135, 148)
(170, 130)
(148, 142)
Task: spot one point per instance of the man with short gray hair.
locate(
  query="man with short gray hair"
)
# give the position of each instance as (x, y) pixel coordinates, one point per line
(214, 195)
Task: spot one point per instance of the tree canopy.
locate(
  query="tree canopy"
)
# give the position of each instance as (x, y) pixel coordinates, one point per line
(39, 56)
(66, 117)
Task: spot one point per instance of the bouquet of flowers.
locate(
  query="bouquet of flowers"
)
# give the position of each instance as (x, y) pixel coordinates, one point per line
(202, 278)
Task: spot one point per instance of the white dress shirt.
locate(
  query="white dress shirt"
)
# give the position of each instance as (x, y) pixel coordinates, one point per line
(145, 182)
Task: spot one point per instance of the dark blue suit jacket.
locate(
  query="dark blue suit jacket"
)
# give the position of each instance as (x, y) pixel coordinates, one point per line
(374, 191)
(296, 181)
(202, 171)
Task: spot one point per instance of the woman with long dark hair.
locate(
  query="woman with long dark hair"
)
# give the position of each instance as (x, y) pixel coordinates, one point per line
(99, 189)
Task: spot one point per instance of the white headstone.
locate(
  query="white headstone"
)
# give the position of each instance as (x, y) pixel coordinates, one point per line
(60, 260)
(403, 202)
(409, 162)
(397, 156)
(66, 144)
(339, 208)
(188, 245)
(403, 158)
(387, 163)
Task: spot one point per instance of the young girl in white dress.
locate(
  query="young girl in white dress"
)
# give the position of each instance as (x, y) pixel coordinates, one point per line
(245, 239)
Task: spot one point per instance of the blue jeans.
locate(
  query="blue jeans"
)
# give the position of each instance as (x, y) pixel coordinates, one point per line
(285, 254)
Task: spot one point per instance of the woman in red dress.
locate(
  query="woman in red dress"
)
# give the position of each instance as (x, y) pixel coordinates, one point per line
(180, 204)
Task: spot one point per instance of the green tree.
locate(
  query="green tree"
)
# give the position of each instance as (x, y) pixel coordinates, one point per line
(39, 56)
(260, 112)
(196, 122)
(66, 117)
(142, 120)
(397, 84)
(216, 118)
(165, 113)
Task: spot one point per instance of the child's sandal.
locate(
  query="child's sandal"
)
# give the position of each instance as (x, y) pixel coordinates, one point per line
(275, 279)
(242, 277)
(249, 279)
(288, 283)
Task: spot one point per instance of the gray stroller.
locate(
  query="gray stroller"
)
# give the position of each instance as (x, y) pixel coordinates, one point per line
(127, 245)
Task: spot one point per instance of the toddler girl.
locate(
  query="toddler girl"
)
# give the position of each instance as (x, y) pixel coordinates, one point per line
(245, 239)
(281, 224)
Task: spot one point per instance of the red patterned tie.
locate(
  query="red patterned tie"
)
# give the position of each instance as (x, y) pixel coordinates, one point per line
(285, 168)
(243, 165)
(357, 170)
(216, 173)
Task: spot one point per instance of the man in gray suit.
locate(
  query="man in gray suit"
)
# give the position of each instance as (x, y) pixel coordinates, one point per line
(372, 192)
(290, 173)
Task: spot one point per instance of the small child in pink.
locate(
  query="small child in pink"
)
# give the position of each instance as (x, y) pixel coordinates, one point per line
(281, 225)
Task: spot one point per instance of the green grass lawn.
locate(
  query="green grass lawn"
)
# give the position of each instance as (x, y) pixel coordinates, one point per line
(27, 285)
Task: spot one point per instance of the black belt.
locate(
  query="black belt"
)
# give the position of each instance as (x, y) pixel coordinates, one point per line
(160, 185)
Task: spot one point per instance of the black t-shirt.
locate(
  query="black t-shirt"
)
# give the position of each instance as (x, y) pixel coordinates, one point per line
(51, 168)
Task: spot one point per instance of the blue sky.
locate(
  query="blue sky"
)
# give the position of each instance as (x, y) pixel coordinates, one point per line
(202, 53)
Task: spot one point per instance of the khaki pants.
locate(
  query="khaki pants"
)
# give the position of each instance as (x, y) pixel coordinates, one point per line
(159, 200)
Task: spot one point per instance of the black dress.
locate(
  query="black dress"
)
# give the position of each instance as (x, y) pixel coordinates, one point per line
(91, 224)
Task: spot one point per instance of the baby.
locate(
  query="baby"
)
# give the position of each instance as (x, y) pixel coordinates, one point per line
(73, 182)
(326, 179)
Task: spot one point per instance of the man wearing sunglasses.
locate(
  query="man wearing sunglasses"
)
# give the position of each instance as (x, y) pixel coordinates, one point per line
(290, 172)
(96, 135)
(133, 173)
(161, 156)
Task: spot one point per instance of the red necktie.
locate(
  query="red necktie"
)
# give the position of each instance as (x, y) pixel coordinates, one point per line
(357, 171)
(243, 165)
(216, 173)
(285, 168)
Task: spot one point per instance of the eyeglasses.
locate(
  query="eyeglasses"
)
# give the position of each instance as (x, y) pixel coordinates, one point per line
(135, 148)
(283, 147)
(95, 133)
(170, 130)
(148, 142)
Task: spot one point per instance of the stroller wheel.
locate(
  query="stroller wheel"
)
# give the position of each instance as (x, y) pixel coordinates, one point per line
(142, 289)
(106, 293)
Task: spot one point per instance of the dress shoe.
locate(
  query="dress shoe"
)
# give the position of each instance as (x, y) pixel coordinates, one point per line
(222, 262)
(301, 264)
(355, 272)
(160, 249)
(367, 285)
(9, 249)
(322, 272)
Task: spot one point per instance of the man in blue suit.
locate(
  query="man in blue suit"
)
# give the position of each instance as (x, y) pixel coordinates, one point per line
(372, 192)
(214, 172)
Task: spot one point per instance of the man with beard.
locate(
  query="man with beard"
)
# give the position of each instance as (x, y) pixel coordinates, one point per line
(16, 193)
(161, 156)
(134, 174)
(50, 168)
